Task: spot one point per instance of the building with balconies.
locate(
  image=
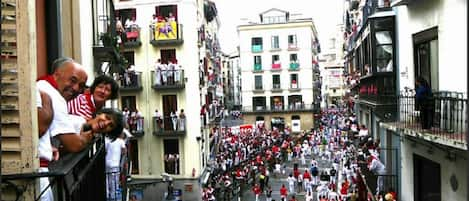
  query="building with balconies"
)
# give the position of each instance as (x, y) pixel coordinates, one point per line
(164, 72)
(389, 47)
(278, 59)
(34, 34)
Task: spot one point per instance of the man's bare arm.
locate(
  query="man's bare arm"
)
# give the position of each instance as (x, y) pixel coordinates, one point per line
(45, 114)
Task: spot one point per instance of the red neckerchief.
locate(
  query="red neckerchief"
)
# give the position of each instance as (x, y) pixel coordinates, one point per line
(50, 79)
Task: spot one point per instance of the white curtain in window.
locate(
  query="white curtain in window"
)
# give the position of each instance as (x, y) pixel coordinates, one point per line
(384, 37)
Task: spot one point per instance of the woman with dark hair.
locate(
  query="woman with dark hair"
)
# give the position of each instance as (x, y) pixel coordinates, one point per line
(423, 102)
(85, 105)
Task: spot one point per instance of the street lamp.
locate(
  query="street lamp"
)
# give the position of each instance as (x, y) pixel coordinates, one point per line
(169, 179)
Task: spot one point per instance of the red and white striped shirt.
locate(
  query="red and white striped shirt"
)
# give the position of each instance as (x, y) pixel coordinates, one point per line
(82, 105)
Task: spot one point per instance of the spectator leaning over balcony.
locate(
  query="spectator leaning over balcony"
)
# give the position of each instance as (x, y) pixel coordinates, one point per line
(86, 104)
(423, 95)
(67, 80)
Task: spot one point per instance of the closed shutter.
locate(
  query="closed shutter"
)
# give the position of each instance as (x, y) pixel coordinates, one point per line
(18, 59)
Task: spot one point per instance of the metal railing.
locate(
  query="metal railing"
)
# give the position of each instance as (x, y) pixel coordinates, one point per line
(443, 114)
(172, 127)
(130, 80)
(168, 79)
(136, 125)
(75, 176)
(291, 107)
(131, 37)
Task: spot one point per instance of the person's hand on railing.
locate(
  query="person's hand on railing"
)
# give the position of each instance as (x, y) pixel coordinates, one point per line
(55, 153)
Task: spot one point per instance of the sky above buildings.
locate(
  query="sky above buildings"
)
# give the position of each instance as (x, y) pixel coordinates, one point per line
(326, 14)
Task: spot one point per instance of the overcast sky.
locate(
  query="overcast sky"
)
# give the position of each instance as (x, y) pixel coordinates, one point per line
(326, 15)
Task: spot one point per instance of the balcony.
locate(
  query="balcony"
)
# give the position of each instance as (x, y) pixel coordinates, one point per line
(292, 47)
(257, 68)
(168, 79)
(131, 38)
(164, 34)
(378, 89)
(445, 113)
(298, 107)
(75, 177)
(164, 127)
(276, 67)
(294, 87)
(294, 66)
(256, 48)
(136, 126)
(130, 81)
(276, 87)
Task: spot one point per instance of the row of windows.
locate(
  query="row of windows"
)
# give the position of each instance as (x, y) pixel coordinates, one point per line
(257, 42)
(275, 59)
(258, 85)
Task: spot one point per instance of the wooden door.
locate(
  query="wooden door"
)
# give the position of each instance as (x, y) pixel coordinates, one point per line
(169, 104)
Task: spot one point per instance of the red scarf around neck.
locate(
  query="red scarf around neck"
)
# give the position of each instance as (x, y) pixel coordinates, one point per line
(50, 79)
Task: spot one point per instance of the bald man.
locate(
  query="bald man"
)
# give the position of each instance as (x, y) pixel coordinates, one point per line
(67, 81)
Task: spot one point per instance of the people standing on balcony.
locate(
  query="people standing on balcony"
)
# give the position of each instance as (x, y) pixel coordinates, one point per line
(164, 74)
(423, 102)
(139, 120)
(158, 120)
(158, 72)
(119, 29)
(174, 119)
(126, 114)
(115, 149)
(170, 73)
(86, 105)
(177, 72)
(182, 120)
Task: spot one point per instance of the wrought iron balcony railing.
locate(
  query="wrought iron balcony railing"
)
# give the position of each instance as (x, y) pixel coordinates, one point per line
(289, 108)
(441, 117)
(75, 176)
(167, 126)
(130, 81)
(168, 79)
(131, 37)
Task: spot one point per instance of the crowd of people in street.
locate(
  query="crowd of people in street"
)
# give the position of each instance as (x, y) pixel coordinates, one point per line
(246, 161)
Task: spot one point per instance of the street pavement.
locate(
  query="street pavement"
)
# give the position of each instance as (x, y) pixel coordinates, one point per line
(276, 183)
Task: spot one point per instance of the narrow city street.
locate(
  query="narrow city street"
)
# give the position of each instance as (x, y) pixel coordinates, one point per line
(276, 182)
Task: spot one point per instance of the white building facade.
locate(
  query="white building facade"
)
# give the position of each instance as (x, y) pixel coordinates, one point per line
(276, 59)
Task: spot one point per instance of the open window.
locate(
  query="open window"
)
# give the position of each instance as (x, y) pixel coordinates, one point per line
(276, 81)
(258, 103)
(256, 44)
(257, 63)
(171, 156)
(292, 41)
